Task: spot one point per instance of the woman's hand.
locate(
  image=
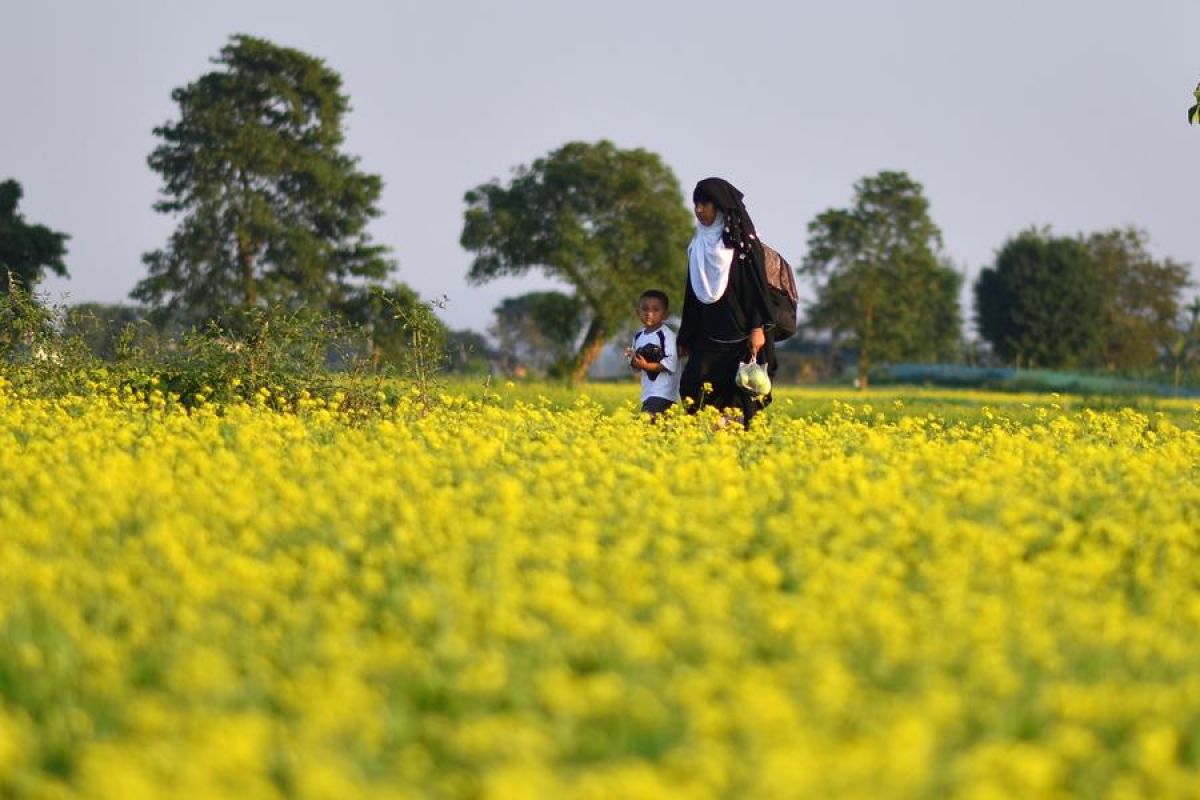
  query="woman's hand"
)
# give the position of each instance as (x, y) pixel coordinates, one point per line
(757, 340)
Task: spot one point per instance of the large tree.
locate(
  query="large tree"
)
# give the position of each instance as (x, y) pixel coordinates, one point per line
(1040, 303)
(27, 251)
(606, 221)
(882, 284)
(1140, 297)
(270, 209)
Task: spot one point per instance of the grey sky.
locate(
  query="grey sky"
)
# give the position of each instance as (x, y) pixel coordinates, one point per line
(1012, 113)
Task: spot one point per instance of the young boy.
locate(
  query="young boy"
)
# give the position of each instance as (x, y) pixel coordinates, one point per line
(654, 355)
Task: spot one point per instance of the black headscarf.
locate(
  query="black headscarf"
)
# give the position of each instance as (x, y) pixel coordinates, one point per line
(739, 234)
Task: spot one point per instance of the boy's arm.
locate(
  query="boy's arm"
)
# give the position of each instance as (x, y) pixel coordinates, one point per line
(647, 366)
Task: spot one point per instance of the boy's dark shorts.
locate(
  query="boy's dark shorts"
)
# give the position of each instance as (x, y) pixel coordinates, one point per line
(656, 405)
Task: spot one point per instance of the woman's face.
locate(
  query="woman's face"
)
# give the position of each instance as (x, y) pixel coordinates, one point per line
(706, 212)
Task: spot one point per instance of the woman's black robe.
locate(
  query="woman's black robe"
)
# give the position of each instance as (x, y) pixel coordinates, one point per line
(716, 336)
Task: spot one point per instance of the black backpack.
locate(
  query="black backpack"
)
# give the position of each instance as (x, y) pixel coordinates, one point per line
(782, 296)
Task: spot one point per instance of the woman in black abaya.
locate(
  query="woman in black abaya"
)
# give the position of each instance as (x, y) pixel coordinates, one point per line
(726, 319)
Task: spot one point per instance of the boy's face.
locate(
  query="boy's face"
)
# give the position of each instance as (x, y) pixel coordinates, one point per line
(651, 311)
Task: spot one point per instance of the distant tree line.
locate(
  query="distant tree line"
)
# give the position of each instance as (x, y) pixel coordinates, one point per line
(271, 211)
(1096, 300)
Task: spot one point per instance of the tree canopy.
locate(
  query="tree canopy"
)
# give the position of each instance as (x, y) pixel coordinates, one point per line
(27, 251)
(1040, 303)
(1140, 298)
(880, 280)
(1091, 300)
(608, 222)
(270, 209)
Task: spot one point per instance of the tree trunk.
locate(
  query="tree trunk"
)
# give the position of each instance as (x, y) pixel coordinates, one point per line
(864, 347)
(246, 257)
(864, 367)
(589, 351)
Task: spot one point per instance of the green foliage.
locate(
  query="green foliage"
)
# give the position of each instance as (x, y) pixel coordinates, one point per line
(24, 324)
(110, 332)
(279, 353)
(1097, 300)
(1194, 111)
(881, 283)
(1140, 297)
(380, 312)
(39, 353)
(606, 221)
(273, 355)
(1040, 303)
(26, 251)
(271, 211)
(424, 355)
(539, 330)
(468, 352)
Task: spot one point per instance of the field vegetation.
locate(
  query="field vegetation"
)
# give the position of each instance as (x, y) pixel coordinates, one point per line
(509, 591)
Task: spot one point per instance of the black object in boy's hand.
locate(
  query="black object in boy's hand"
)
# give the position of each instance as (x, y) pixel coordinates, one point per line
(651, 352)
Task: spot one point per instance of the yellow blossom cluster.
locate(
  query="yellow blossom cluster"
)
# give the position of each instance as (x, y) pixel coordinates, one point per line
(511, 598)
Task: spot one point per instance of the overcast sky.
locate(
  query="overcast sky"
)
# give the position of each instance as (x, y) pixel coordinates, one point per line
(1014, 113)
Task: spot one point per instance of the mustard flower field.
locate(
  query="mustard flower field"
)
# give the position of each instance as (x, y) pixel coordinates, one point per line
(514, 596)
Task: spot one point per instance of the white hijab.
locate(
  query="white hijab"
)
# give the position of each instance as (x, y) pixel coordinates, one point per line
(709, 261)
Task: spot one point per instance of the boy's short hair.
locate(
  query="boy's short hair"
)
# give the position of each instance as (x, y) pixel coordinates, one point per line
(656, 294)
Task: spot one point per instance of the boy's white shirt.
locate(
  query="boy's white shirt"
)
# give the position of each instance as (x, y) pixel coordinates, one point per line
(666, 385)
